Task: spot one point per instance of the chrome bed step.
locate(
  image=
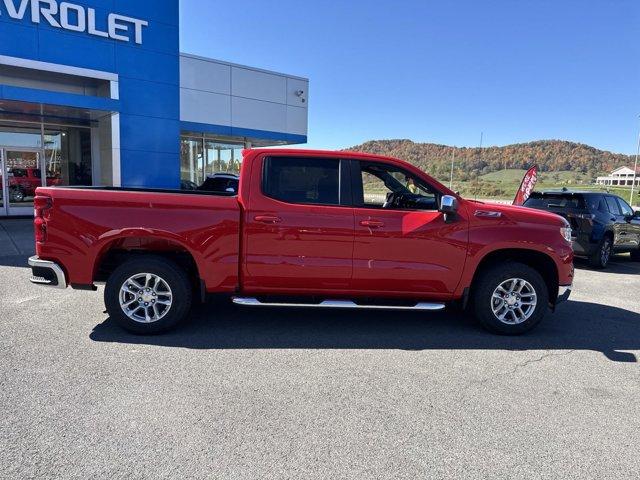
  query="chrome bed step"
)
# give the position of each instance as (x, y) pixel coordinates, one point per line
(254, 302)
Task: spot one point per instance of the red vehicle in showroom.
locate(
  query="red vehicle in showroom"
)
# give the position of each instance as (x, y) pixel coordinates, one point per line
(305, 229)
(24, 181)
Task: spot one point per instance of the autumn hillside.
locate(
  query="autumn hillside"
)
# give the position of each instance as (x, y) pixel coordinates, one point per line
(549, 155)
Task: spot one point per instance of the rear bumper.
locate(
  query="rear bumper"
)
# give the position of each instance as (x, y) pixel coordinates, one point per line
(46, 273)
(563, 293)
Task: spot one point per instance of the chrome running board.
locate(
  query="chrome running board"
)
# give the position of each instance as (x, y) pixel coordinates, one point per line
(254, 302)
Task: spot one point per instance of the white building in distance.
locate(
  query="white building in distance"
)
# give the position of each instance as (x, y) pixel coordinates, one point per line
(622, 176)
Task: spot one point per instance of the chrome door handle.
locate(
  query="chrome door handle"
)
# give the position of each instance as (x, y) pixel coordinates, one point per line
(269, 219)
(372, 223)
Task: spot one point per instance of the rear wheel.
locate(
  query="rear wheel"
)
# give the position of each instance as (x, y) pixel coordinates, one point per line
(148, 295)
(635, 255)
(600, 258)
(510, 298)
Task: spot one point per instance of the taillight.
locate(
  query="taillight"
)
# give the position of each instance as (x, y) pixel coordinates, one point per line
(41, 205)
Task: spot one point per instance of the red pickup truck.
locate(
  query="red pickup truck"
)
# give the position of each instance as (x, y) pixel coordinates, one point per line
(305, 229)
(24, 181)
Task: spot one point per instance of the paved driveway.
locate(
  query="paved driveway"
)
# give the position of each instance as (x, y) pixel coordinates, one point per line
(308, 394)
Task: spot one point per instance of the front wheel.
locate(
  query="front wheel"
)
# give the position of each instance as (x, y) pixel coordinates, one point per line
(510, 299)
(148, 295)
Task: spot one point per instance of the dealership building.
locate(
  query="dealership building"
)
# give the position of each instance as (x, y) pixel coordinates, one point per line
(97, 92)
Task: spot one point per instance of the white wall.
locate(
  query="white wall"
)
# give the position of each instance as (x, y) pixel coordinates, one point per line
(220, 93)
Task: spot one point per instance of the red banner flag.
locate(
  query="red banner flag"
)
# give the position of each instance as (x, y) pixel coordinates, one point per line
(527, 185)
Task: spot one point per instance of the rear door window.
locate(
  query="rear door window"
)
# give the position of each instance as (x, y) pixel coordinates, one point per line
(313, 181)
(595, 203)
(602, 205)
(613, 206)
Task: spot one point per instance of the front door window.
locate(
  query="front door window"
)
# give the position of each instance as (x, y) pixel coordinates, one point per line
(386, 186)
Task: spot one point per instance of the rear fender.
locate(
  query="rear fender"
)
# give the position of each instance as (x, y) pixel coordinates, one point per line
(141, 240)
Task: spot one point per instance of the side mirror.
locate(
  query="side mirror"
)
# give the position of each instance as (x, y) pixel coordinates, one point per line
(449, 206)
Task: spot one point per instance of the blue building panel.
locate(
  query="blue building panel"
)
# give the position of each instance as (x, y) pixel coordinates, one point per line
(149, 168)
(151, 66)
(152, 134)
(57, 46)
(139, 97)
(18, 40)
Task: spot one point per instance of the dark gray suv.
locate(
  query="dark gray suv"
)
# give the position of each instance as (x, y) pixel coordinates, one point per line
(602, 223)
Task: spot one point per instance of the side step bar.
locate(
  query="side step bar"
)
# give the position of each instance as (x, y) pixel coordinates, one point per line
(254, 302)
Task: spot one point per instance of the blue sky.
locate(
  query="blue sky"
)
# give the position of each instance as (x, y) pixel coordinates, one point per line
(441, 71)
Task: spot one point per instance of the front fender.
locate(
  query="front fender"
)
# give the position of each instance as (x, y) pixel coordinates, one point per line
(513, 236)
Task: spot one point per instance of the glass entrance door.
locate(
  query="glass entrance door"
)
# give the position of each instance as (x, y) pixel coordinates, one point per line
(21, 174)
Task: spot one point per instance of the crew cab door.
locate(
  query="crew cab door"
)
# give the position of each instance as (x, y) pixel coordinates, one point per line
(403, 245)
(632, 227)
(620, 230)
(298, 226)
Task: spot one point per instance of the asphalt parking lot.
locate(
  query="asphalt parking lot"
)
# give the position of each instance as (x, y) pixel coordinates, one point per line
(275, 393)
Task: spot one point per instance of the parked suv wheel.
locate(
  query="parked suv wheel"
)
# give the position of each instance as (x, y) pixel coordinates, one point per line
(510, 298)
(148, 295)
(600, 258)
(635, 255)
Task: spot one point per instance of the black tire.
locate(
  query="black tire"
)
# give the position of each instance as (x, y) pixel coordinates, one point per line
(635, 255)
(600, 258)
(16, 195)
(169, 272)
(483, 302)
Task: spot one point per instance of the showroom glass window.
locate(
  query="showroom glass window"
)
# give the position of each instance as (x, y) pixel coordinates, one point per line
(67, 156)
(66, 150)
(201, 158)
(192, 160)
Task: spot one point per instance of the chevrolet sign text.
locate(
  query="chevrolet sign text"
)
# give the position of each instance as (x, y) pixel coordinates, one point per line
(76, 18)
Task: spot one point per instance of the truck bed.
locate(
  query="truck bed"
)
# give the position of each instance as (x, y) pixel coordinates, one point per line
(87, 222)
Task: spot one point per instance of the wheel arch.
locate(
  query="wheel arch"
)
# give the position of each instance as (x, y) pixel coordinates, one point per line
(116, 251)
(539, 261)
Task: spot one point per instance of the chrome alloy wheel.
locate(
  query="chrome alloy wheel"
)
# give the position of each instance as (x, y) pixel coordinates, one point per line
(513, 301)
(145, 298)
